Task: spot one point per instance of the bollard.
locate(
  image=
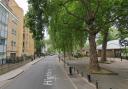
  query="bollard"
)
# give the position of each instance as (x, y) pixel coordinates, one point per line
(74, 68)
(82, 74)
(67, 64)
(121, 58)
(70, 70)
(77, 71)
(89, 77)
(97, 87)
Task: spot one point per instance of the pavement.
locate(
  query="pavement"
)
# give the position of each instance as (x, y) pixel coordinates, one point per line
(48, 73)
(78, 80)
(14, 73)
(119, 81)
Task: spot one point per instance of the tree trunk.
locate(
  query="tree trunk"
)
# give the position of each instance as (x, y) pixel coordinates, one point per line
(94, 65)
(104, 46)
(64, 52)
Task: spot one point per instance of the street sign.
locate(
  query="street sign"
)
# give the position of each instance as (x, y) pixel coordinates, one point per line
(123, 42)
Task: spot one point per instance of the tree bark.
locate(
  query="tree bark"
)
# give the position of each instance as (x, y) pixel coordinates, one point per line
(94, 65)
(64, 52)
(104, 46)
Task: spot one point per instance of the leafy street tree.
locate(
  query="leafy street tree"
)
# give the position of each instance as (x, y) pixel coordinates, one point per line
(94, 14)
(122, 22)
(70, 20)
(66, 32)
(119, 12)
(104, 36)
(36, 20)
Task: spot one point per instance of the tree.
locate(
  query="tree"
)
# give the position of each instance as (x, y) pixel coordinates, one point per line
(122, 22)
(120, 12)
(66, 32)
(38, 45)
(104, 45)
(36, 20)
(104, 36)
(91, 16)
(94, 14)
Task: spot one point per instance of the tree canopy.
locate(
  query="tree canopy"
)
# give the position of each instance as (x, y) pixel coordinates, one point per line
(70, 22)
(36, 20)
(66, 32)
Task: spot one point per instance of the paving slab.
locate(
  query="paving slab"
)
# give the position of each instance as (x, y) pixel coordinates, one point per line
(79, 81)
(119, 81)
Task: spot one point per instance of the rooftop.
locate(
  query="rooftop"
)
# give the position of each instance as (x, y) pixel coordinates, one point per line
(113, 44)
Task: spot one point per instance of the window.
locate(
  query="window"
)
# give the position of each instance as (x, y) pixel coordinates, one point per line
(6, 19)
(13, 31)
(2, 54)
(3, 18)
(2, 41)
(0, 26)
(0, 13)
(2, 32)
(13, 43)
(3, 15)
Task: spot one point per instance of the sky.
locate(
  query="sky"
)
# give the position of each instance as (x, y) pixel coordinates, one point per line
(23, 4)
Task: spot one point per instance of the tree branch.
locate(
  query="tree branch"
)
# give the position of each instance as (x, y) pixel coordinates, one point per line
(97, 9)
(72, 14)
(86, 5)
(114, 19)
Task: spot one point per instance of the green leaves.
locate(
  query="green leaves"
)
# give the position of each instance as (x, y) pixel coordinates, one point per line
(69, 21)
(36, 18)
(66, 32)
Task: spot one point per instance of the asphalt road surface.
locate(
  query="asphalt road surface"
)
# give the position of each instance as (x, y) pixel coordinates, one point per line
(46, 74)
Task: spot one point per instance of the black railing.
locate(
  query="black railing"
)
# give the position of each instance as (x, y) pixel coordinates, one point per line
(9, 64)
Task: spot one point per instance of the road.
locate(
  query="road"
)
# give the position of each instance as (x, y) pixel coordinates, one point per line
(46, 74)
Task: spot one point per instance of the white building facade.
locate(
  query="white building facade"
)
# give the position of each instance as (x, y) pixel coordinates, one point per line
(3, 30)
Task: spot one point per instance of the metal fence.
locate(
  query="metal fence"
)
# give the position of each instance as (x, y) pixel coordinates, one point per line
(9, 64)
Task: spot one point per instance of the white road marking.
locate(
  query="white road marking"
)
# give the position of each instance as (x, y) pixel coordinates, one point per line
(49, 80)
